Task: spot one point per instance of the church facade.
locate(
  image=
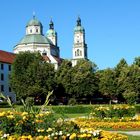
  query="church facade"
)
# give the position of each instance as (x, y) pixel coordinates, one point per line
(35, 41)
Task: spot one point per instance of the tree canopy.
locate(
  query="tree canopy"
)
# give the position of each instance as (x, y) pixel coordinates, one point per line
(31, 76)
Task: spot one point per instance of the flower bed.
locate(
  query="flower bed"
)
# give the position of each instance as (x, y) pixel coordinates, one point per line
(113, 111)
(45, 126)
(110, 123)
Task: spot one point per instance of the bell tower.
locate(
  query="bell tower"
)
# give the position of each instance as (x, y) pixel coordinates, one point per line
(51, 33)
(79, 46)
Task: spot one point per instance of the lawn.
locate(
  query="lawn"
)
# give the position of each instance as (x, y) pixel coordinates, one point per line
(130, 137)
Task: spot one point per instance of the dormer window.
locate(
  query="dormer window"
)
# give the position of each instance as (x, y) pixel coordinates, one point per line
(44, 53)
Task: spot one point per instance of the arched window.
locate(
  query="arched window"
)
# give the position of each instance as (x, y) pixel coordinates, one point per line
(78, 52)
(44, 53)
(37, 30)
(75, 53)
(30, 30)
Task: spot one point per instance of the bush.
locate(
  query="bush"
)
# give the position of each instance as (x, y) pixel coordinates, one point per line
(72, 109)
(29, 101)
(130, 97)
(114, 111)
(72, 101)
(4, 105)
(137, 107)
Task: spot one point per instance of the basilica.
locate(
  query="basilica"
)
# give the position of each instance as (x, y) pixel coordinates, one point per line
(35, 41)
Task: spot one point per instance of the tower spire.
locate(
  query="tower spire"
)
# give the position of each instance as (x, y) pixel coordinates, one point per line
(51, 24)
(79, 21)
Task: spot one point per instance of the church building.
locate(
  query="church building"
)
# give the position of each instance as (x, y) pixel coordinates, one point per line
(35, 41)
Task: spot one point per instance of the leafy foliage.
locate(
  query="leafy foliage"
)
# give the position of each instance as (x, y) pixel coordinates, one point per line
(83, 79)
(31, 76)
(107, 84)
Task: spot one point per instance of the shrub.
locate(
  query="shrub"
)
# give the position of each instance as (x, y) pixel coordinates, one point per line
(4, 105)
(72, 109)
(72, 101)
(130, 97)
(137, 107)
(29, 101)
(114, 111)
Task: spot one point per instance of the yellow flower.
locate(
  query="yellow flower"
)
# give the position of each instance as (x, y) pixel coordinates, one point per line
(40, 138)
(10, 117)
(72, 136)
(38, 121)
(49, 129)
(2, 114)
(24, 113)
(40, 130)
(24, 117)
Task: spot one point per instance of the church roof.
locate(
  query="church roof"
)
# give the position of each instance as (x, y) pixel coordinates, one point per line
(35, 38)
(46, 58)
(34, 22)
(79, 29)
(59, 60)
(51, 32)
(7, 57)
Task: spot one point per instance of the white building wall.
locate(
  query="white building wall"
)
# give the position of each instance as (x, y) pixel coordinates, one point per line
(5, 81)
(33, 48)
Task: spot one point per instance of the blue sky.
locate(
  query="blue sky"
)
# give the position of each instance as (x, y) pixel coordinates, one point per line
(112, 26)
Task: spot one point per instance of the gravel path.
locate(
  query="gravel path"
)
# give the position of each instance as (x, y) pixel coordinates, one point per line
(134, 133)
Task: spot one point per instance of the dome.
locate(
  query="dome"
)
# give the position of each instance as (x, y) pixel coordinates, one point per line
(79, 29)
(35, 38)
(34, 22)
(51, 32)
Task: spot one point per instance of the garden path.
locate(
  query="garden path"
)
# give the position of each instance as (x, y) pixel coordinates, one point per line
(134, 133)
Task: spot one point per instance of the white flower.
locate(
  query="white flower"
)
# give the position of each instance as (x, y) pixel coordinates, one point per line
(52, 134)
(68, 135)
(94, 134)
(60, 133)
(56, 133)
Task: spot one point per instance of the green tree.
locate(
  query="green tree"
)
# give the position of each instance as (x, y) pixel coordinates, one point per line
(107, 83)
(118, 70)
(130, 79)
(137, 61)
(31, 76)
(64, 78)
(119, 67)
(84, 80)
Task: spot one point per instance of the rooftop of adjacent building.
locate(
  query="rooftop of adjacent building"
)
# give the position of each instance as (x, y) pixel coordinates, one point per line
(7, 57)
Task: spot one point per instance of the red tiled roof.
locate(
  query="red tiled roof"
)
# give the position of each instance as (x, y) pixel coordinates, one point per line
(59, 60)
(7, 57)
(46, 58)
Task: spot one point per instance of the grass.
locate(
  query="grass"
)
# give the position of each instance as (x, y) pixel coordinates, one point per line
(76, 115)
(130, 137)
